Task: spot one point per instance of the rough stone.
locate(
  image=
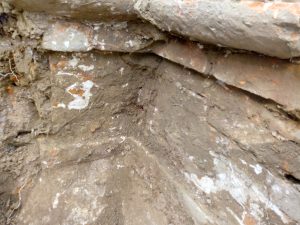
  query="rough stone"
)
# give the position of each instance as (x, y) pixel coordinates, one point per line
(116, 37)
(81, 9)
(267, 77)
(270, 28)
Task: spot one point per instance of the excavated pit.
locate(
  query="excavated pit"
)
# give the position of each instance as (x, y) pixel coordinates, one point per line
(138, 133)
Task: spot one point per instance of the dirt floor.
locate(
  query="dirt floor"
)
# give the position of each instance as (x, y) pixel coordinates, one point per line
(131, 138)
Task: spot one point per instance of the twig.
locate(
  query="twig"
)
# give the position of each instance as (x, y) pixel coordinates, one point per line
(4, 75)
(11, 70)
(19, 202)
(11, 73)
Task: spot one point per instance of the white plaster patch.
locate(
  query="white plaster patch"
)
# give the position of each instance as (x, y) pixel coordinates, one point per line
(70, 39)
(56, 201)
(276, 188)
(125, 85)
(86, 68)
(76, 190)
(222, 141)
(79, 216)
(200, 46)
(61, 105)
(243, 161)
(267, 5)
(191, 158)
(80, 101)
(256, 211)
(102, 45)
(122, 70)
(62, 73)
(45, 163)
(129, 44)
(206, 183)
(242, 189)
(73, 62)
(67, 44)
(151, 126)
(257, 168)
(123, 138)
(119, 166)
(139, 95)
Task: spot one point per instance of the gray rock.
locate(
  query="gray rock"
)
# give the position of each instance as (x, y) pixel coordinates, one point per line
(81, 9)
(270, 28)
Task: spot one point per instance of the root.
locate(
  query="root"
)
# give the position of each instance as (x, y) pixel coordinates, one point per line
(9, 74)
(18, 205)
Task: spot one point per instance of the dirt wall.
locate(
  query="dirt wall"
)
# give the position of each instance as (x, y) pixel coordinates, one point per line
(118, 122)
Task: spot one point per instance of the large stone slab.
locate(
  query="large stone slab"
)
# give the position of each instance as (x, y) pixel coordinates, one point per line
(117, 37)
(267, 77)
(81, 9)
(271, 28)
